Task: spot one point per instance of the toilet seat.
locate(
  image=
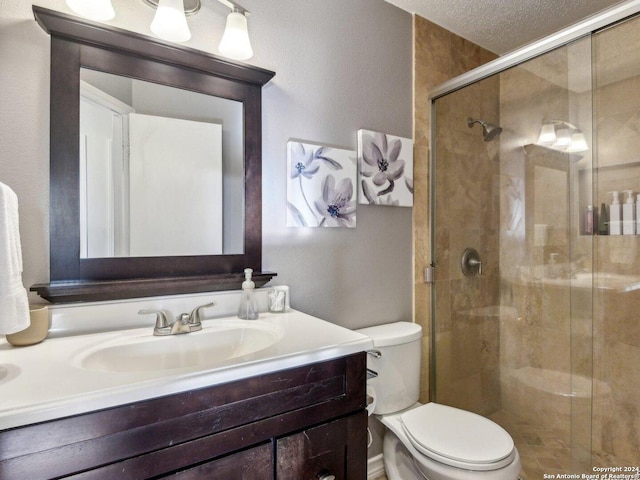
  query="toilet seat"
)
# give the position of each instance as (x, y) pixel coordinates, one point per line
(438, 431)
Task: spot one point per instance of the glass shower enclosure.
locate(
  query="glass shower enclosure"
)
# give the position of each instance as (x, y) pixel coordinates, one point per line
(536, 297)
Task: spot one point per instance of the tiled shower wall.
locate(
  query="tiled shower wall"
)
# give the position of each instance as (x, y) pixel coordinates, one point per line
(467, 216)
(439, 55)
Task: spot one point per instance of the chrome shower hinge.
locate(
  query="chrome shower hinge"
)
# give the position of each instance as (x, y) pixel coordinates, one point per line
(430, 274)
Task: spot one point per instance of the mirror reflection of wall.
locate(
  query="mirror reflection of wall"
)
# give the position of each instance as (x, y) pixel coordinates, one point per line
(550, 207)
(177, 197)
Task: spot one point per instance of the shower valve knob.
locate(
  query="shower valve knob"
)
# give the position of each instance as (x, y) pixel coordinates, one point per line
(476, 263)
(470, 262)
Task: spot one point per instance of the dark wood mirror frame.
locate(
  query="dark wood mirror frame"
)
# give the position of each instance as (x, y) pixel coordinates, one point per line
(79, 43)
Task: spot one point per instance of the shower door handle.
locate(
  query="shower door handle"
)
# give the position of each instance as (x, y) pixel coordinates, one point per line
(470, 262)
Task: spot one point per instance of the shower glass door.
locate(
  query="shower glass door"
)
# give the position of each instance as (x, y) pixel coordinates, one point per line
(512, 329)
(616, 341)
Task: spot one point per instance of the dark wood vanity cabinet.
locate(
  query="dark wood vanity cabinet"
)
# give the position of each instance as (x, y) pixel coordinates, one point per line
(324, 451)
(255, 463)
(301, 423)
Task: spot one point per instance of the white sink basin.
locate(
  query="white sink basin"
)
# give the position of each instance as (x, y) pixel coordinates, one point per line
(74, 374)
(215, 345)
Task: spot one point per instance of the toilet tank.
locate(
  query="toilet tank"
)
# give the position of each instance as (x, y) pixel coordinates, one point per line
(397, 385)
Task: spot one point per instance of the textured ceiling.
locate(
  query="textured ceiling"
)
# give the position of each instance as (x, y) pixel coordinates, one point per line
(504, 25)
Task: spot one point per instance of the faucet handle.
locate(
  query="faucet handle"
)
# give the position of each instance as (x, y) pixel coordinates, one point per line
(162, 325)
(181, 325)
(195, 322)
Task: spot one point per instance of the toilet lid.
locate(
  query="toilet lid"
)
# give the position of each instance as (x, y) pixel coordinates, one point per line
(455, 434)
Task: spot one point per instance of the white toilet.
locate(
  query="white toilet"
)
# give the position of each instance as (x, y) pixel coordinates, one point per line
(429, 441)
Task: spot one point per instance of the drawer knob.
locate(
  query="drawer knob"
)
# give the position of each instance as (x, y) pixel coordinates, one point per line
(324, 475)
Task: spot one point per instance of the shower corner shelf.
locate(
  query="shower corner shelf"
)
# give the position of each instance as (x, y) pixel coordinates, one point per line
(535, 150)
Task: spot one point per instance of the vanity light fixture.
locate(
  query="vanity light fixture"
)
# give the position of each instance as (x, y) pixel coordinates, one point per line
(235, 43)
(99, 10)
(170, 24)
(562, 136)
(170, 21)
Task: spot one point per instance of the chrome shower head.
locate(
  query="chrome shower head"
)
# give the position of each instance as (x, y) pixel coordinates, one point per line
(489, 131)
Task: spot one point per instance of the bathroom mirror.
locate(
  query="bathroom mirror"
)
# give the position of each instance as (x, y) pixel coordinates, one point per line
(98, 50)
(130, 188)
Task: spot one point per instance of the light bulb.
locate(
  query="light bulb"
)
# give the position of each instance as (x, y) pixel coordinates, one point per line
(578, 143)
(547, 134)
(170, 22)
(235, 41)
(563, 139)
(99, 10)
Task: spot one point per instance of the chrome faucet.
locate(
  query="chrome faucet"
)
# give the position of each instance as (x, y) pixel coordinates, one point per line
(184, 323)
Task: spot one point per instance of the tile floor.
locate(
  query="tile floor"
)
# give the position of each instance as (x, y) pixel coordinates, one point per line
(540, 449)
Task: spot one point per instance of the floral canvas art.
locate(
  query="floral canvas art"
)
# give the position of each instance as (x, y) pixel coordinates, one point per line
(386, 169)
(321, 186)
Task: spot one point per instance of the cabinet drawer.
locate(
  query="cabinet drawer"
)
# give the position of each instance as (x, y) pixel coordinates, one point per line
(337, 448)
(252, 464)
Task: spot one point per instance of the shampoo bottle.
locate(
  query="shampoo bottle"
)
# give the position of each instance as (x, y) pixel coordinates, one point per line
(590, 220)
(603, 220)
(629, 214)
(248, 309)
(615, 215)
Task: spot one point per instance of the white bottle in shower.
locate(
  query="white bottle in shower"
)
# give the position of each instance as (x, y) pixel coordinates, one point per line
(615, 215)
(629, 214)
(638, 214)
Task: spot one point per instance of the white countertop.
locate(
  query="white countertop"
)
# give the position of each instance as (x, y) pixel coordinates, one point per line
(43, 382)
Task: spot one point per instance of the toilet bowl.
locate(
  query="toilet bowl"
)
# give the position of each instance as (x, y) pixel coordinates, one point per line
(445, 443)
(431, 441)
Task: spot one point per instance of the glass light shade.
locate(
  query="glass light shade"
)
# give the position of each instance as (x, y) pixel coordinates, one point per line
(170, 22)
(235, 41)
(578, 143)
(100, 10)
(547, 134)
(563, 138)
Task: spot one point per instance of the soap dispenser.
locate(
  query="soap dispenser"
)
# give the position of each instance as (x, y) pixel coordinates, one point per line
(615, 215)
(629, 214)
(248, 309)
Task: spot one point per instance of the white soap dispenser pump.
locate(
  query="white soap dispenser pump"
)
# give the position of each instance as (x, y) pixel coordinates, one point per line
(248, 309)
(629, 214)
(615, 215)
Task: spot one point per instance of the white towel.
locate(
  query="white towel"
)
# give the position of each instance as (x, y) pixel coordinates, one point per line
(14, 302)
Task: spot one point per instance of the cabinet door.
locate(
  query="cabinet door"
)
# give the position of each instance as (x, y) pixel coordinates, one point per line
(252, 464)
(335, 450)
